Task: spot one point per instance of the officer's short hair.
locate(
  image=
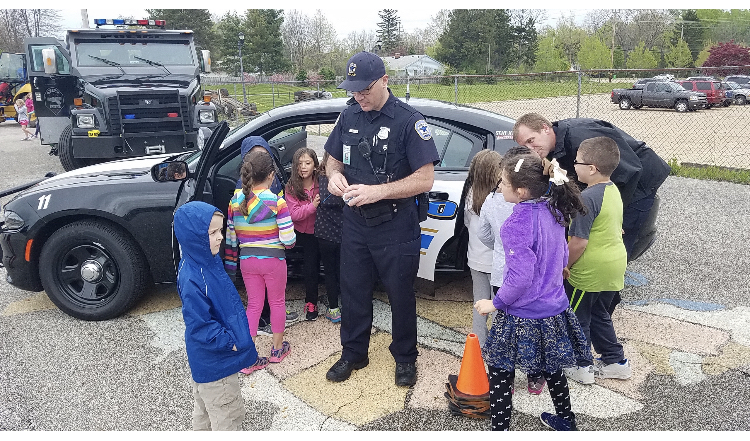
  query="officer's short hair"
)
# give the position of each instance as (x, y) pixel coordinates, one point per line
(534, 121)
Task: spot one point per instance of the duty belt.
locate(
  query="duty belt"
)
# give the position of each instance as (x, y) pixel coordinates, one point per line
(394, 204)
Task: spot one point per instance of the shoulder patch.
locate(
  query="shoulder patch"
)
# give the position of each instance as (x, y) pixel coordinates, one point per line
(422, 129)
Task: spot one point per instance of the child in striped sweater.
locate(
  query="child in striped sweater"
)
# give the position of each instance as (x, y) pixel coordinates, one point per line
(260, 225)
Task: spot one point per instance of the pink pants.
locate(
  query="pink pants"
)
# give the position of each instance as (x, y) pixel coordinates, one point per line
(261, 276)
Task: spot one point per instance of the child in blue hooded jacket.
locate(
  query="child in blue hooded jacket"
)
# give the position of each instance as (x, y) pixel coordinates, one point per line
(217, 335)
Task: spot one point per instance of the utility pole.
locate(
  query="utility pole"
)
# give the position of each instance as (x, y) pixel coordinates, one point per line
(84, 19)
(612, 53)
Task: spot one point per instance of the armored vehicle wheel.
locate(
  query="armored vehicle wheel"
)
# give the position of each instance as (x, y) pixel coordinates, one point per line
(65, 151)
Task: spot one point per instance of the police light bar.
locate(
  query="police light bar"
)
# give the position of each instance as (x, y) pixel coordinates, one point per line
(129, 22)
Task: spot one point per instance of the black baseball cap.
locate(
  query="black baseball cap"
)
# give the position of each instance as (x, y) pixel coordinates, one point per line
(361, 70)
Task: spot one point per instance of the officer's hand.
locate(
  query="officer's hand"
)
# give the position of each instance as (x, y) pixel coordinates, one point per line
(360, 194)
(316, 201)
(337, 184)
(484, 306)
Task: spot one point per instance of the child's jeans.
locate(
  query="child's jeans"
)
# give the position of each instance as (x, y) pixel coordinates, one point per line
(311, 257)
(261, 275)
(591, 309)
(218, 405)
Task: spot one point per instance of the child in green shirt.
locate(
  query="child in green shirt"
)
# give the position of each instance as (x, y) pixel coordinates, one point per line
(597, 260)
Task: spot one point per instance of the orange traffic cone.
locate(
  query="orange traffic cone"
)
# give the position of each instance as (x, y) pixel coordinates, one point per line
(472, 378)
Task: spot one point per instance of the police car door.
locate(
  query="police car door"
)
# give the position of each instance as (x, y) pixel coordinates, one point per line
(52, 86)
(442, 248)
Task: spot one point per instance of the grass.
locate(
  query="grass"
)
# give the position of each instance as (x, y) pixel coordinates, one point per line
(267, 97)
(709, 172)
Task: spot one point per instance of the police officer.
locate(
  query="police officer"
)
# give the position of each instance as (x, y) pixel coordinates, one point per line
(638, 176)
(381, 156)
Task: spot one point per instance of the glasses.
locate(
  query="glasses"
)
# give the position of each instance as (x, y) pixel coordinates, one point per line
(365, 92)
(575, 162)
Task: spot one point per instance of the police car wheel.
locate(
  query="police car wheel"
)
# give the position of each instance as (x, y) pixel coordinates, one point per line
(65, 151)
(92, 270)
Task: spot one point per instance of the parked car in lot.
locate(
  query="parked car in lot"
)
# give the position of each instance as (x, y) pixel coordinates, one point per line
(742, 80)
(95, 238)
(659, 94)
(712, 89)
(701, 78)
(739, 94)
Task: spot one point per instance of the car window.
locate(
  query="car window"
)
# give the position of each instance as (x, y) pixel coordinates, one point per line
(457, 151)
(37, 61)
(703, 85)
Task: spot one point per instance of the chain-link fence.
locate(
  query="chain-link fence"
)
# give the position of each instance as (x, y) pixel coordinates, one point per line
(715, 136)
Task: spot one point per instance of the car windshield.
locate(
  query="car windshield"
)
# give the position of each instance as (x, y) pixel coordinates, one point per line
(171, 53)
(731, 85)
(675, 87)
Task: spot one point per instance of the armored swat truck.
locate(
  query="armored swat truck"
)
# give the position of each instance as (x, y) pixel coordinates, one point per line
(123, 92)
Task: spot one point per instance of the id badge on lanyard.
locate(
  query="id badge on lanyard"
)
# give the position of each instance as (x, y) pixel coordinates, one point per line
(347, 155)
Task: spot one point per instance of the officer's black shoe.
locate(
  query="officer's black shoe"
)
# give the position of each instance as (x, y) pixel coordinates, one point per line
(342, 369)
(406, 374)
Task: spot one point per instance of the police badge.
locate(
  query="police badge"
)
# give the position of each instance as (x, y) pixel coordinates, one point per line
(352, 72)
(423, 130)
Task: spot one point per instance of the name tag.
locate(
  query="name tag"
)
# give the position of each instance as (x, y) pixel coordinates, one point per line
(347, 155)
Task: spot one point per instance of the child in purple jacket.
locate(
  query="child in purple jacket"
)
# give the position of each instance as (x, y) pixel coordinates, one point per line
(534, 328)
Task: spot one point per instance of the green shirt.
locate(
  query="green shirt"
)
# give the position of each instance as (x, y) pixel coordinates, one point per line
(602, 265)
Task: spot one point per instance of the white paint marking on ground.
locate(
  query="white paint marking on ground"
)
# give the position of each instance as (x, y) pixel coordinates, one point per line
(169, 329)
(687, 368)
(733, 320)
(293, 413)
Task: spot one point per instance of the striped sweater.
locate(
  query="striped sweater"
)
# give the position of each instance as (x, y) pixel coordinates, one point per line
(265, 232)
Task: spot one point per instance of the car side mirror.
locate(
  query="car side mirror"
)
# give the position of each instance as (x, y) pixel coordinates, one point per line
(171, 171)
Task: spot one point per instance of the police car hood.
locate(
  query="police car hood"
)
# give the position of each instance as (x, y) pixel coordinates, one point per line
(125, 170)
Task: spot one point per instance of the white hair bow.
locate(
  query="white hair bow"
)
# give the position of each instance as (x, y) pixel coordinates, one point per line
(558, 175)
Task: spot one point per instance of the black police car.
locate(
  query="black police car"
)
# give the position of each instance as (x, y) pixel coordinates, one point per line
(95, 238)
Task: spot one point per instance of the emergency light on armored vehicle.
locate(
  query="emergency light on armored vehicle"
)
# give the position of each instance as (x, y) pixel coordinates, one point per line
(117, 93)
(94, 238)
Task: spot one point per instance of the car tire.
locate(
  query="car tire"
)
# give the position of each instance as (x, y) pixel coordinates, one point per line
(92, 270)
(681, 106)
(624, 103)
(726, 103)
(638, 106)
(65, 151)
(740, 100)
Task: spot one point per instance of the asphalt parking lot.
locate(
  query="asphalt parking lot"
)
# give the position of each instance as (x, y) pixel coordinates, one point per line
(683, 322)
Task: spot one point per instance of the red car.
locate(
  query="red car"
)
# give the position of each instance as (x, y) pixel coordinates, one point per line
(713, 90)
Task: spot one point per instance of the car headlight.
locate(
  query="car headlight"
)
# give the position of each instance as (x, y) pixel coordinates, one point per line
(85, 121)
(693, 98)
(12, 221)
(206, 116)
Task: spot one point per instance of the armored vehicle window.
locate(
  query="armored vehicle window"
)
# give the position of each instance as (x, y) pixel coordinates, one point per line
(37, 62)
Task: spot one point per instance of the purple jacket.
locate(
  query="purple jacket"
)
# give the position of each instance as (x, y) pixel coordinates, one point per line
(535, 254)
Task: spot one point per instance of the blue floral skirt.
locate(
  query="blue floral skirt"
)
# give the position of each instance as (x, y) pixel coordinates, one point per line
(535, 345)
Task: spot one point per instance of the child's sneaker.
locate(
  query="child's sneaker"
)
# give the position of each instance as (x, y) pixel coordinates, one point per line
(291, 316)
(260, 363)
(581, 374)
(535, 385)
(620, 371)
(311, 311)
(265, 330)
(557, 423)
(334, 315)
(278, 354)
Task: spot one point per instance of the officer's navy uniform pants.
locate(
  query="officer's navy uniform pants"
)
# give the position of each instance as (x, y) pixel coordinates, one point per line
(390, 250)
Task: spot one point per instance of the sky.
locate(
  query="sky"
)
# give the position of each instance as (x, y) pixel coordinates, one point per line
(348, 16)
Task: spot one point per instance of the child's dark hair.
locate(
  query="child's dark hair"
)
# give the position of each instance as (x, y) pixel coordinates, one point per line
(524, 169)
(256, 167)
(322, 168)
(294, 186)
(602, 152)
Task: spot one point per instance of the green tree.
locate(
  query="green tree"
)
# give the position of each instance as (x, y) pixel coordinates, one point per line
(389, 30)
(197, 20)
(703, 55)
(568, 38)
(642, 58)
(549, 58)
(263, 37)
(229, 28)
(689, 28)
(594, 54)
(679, 55)
(619, 57)
(477, 40)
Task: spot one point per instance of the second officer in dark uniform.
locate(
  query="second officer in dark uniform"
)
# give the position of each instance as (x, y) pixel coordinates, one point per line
(381, 156)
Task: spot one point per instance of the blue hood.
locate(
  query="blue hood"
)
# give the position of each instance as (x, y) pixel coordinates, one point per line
(191, 223)
(250, 142)
(215, 319)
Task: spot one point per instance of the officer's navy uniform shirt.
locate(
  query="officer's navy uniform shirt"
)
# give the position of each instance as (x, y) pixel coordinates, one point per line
(383, 128)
